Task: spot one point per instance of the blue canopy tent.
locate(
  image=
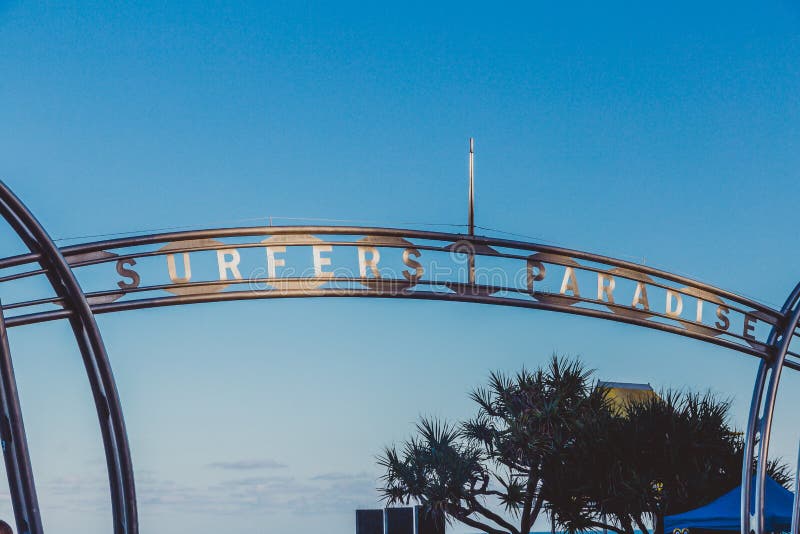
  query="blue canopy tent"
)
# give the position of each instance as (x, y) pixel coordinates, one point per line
(723, 513)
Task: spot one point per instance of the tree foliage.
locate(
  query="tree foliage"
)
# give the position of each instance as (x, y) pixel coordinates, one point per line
(660, 456)
(496, 460)
(548, 442)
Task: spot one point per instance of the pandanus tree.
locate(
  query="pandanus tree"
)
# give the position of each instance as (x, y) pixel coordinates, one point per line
(488, 472)
(654, 457)
(549, 442)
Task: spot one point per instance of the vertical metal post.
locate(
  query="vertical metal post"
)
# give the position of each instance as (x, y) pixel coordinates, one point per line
(15, 444)
(796, 505)
(471, 217)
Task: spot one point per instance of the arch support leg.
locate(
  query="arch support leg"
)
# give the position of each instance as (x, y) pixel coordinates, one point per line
(15, 444)
(796, 504)
(95, 359)
(759, 423)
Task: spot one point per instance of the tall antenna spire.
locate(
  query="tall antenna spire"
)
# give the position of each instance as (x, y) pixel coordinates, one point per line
(471, 220)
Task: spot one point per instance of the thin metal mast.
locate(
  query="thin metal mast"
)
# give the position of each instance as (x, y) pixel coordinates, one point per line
(471, 221)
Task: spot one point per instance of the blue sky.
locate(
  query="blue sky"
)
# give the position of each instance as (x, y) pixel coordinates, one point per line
(666, 134)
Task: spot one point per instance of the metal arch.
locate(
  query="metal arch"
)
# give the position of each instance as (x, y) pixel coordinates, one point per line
(185, 242)
(80, 313)
(95, 358)
(759, 428)
(381, 232)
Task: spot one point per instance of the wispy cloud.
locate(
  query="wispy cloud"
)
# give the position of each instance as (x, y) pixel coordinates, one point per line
(322, 494)
(251, 491)
(336, 476)
(247, 465)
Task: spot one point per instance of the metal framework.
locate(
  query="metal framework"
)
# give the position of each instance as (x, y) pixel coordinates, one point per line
(162, 270)
(101, 380)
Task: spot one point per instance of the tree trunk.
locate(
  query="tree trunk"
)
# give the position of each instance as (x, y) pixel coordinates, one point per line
(641, 526)
(463, 516)
(627, 525)
(658, 527)
(606, 526)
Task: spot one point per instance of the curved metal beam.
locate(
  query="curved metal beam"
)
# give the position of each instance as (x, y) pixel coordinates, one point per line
(15, 444)
(76, 259)
(130, 249)
(762, 407)
(157, 302)
(95, 358)
(383, 232)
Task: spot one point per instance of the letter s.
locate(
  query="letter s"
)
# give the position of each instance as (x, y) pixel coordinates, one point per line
(722, 313)
(414, 264)
(128, 273)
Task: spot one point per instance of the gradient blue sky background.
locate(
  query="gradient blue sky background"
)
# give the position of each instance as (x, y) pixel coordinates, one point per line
(665, 134)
